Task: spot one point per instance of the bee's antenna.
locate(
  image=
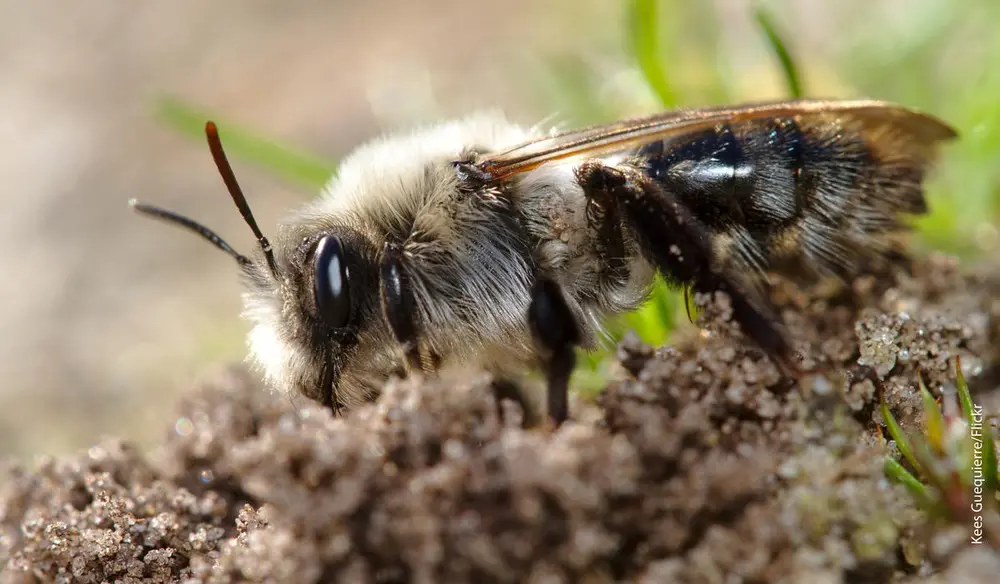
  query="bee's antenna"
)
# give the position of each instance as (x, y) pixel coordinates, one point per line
(215, 145)
(171, 217)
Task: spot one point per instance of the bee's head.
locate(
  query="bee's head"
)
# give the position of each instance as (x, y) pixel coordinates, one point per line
(334, 324)
(308, 298)
(316, 322)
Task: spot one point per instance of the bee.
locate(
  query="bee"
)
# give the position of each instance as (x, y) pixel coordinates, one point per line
(482, 244)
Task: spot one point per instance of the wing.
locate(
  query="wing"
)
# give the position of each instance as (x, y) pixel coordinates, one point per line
(603, 139)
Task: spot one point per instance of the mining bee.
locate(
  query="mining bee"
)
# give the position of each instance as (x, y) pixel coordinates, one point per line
(482, 244)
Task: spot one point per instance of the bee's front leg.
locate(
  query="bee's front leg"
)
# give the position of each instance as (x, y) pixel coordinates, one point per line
(556, 334)
(672, 238)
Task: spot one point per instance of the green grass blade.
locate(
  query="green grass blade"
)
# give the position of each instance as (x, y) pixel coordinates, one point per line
(964, 397)
(896, 473)
(294, 166)
(777, 44)
(665, 299)
(902, 442)
(690, 306)
(933, 419)
(644, 32)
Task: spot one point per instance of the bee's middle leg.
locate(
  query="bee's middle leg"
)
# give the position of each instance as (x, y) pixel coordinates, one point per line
(556, 334)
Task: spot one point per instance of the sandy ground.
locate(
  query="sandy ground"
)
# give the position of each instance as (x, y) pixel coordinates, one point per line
(700, 465)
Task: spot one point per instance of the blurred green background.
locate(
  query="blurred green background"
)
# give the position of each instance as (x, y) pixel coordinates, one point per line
(132, 312)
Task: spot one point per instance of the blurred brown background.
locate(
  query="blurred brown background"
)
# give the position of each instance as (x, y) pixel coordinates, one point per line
(106, 316)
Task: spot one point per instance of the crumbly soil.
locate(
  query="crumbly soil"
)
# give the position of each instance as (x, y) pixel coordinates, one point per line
(701, 464)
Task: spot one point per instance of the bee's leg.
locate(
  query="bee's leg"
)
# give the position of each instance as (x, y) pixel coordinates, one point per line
(398, 306)
(672, 239)
(556, 334)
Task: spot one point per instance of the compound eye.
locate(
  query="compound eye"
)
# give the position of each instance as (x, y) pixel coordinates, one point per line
(333, 299)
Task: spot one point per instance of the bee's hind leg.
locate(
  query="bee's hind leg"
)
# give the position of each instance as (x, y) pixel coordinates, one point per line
(556, 334)
(671, 238)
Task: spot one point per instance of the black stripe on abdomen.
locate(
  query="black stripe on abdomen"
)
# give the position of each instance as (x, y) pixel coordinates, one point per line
(759, 174)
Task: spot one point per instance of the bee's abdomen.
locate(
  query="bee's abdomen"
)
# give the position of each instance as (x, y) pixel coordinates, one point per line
(821, 189)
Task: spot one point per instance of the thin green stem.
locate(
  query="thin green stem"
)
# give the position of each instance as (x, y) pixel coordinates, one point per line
(644, 32)
(780, 49)
(294, 166)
